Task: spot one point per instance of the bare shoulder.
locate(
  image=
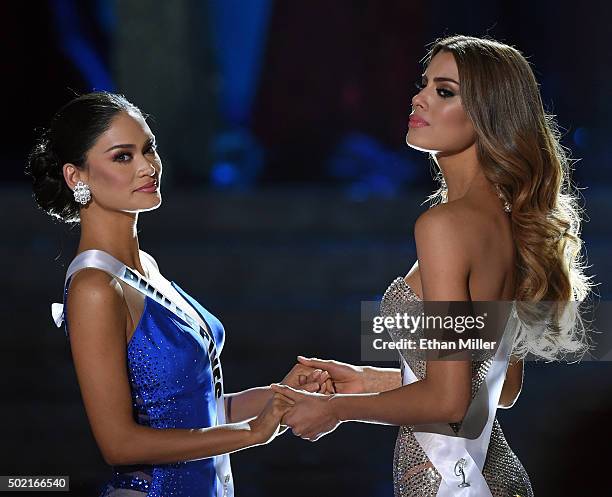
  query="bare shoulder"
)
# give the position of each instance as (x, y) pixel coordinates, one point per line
(487, 229)
(465, 245)
(445, 224)
(95, 284)
(446, 251)
(95, 293)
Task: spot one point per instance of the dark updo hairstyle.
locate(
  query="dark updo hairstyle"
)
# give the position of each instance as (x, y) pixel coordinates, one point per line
(74, 129)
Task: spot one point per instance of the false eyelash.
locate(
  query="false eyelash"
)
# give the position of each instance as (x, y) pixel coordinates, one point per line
(448, 93)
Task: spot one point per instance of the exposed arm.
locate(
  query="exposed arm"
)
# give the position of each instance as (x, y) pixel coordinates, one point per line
(439, 398)
(381, 379)
(97, 317)
(512, 384)
(444, 266)
(245, 405)
(143, 445)
(444, 395)
(348, 378)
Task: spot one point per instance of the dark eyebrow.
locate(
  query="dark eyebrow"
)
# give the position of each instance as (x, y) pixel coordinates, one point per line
(436, 80)
(123, 145)
(149, 141)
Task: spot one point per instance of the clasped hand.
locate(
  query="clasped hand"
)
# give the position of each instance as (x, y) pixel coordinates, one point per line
(312, 414)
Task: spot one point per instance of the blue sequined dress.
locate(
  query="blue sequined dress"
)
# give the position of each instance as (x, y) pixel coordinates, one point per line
(171, 385)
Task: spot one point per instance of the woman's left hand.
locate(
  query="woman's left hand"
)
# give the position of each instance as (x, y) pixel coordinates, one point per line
(312, 415)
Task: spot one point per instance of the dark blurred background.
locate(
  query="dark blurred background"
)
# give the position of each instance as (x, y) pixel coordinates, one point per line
(289, 197)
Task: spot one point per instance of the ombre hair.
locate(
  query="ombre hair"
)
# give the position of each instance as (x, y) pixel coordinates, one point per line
(518, 147)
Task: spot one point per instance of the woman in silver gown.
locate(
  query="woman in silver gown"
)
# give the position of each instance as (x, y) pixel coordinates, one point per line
(505, 227)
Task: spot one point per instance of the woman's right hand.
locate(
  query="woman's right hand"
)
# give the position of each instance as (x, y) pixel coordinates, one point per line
(345, 378)
(266, 426)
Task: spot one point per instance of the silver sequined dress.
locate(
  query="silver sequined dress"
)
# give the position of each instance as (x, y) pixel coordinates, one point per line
(413, 473)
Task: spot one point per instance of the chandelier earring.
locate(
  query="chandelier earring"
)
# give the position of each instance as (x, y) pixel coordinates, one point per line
(444, 188)
(507, 205)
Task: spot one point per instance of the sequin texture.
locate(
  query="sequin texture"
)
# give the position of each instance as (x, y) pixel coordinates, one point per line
(413, 473)
(171, 386)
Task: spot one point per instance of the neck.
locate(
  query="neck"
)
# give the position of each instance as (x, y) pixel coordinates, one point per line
(462, 172)
(113, 232)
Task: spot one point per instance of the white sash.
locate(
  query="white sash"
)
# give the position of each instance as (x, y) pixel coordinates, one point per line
(460, 460)
(198, 329)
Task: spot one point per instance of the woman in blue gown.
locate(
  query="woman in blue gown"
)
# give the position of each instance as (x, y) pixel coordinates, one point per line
(145, 352)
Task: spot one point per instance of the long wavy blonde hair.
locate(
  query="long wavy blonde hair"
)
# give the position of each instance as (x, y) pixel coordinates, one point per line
(518, 146)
